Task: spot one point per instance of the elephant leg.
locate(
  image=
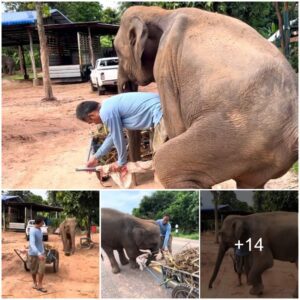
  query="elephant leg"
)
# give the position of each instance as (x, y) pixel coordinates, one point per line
(261, 262)
(180, 163)
(123, 258)
(132, 254)
(114, 265)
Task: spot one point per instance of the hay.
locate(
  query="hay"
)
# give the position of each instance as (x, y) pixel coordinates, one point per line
(187, 260)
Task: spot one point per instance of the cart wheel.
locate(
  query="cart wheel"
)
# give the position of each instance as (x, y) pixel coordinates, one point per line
(56, 263)
(184, 291)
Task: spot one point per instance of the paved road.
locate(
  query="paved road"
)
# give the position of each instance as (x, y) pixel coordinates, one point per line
(135, 283)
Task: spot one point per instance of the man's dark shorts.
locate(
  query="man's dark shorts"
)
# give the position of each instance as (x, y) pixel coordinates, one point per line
(36, 265)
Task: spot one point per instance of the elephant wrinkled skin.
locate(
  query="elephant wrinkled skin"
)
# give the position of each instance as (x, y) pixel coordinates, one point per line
(121, 231)
(279, 234)
(229, 97)
(67, 231)
(8, 65)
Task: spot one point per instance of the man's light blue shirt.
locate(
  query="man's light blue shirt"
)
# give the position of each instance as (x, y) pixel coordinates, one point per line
(165, 230)
(36, 246)
(135, 111)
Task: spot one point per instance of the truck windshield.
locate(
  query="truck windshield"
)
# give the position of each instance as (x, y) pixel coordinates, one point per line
(109, 62)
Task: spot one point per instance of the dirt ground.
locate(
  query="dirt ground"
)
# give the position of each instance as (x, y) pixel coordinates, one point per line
(43, 143)
(78, 275)
(279, 281)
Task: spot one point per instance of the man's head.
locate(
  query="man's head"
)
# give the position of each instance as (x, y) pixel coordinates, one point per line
(166, 219)
(38, 221)
(88, 111)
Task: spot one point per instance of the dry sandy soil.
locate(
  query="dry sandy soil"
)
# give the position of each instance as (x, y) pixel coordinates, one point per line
(78, 275)
(43, 143)
(279, 281)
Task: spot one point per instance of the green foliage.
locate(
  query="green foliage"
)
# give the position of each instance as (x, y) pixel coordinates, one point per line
(190, 236)
(80, 204)
(106, 41)
(230, 198)
(275, 200)
(183, 208)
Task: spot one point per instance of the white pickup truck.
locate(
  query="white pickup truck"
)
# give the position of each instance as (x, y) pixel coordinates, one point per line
(44, 230)
(105, 74)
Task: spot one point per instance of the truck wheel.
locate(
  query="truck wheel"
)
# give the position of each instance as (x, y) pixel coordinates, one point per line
(94, 89)
(184, 291)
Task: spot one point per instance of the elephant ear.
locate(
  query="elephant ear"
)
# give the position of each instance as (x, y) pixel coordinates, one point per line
(240, 230)
(138, 235)
(138, 35)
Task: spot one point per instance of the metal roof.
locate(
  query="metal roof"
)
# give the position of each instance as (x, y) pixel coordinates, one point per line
(34, 206)
(9, 198)
(29, 17)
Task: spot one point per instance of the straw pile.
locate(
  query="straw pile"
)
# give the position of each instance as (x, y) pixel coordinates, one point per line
(101, 133)
(187, 260)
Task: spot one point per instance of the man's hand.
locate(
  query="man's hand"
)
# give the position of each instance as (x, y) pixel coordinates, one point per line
(93, 162)
(41, 257)
(121, 169)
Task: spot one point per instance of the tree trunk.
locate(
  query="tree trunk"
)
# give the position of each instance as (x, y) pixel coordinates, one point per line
(280, 26)
(44, 54)
(216, 202)
(21, 59)
(35, 79)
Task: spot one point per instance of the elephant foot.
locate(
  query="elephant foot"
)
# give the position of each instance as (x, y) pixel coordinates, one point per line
(133, 264)
(116, 270)
(124, 261)
(257, 290)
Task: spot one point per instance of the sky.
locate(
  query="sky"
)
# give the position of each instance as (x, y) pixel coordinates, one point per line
(109, 3)
(42, 193)
(246, 196)
(123, 201)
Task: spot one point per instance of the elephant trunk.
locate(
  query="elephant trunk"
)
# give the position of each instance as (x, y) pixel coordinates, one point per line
(124, 83)
(222, 251)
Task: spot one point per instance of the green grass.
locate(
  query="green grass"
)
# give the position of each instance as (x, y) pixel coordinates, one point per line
(295, 167)
(191, 236)
(18, 76)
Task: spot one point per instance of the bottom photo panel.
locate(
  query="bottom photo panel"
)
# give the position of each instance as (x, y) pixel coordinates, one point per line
(150, 243)
(249, 244)
(50, 244)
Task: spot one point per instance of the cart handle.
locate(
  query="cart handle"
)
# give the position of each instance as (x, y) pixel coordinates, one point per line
(16, 251)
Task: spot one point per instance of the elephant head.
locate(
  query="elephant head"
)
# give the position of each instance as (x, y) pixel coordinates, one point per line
(234, 229)
(147, 239)
(136, 44)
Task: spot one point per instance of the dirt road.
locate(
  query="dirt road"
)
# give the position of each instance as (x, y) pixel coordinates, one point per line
(279, 281)
(43, 142)
(78, 275)
(135, 283)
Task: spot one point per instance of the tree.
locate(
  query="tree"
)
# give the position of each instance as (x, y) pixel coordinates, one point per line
(44, 54)
(216, 200)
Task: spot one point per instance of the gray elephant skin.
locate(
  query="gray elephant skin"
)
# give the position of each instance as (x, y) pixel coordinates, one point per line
(67, 230)
(8, 65)
(120, 231)
(229, 97)
(279, 233)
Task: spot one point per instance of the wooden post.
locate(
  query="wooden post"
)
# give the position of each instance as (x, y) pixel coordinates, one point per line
(21, 60)
(92, 55)
(26, 76)
(44, 54)
(79, 48)
(35, 79)
(25, 216)
(9, 215)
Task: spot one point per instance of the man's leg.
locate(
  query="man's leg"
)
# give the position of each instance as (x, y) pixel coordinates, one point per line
(33, 269)
(41, 272)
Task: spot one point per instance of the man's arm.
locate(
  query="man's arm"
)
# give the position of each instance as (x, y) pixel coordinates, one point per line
(116, 130)
(167, 236)
(105, 147)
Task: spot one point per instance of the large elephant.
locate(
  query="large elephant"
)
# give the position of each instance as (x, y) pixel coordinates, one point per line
(8, 65)
(121, 231)
(67, 231)
(279, 234)
(229, 97)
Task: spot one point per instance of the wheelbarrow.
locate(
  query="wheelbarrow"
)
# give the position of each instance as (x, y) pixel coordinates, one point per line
(51, 256)
(184, 284)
